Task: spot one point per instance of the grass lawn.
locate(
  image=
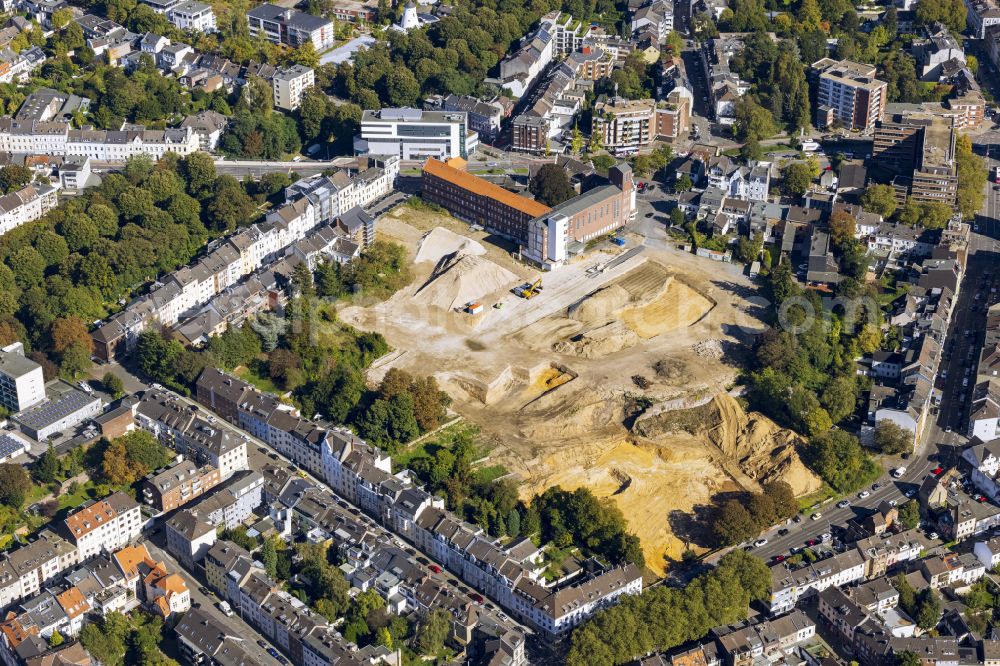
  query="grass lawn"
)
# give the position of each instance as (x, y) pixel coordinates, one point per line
(807, 501)
(263, 383)
(85, 492)
(428, 446)
(491, 473)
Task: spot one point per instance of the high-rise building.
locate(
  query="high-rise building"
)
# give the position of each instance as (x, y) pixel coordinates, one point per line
(290, 84)
(21, 382)
(848, 94)
(624, 125)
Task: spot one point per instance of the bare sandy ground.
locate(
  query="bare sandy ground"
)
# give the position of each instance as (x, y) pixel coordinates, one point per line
(550, 379)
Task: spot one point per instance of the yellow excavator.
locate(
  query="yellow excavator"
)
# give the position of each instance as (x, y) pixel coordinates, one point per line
(529, 290)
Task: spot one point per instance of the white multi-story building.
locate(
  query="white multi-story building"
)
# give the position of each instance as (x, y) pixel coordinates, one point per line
(24, 571)
(56, 138)
(105, 525)
(25, 205)
(21, 381)
(984, 459)
(789, 586)
(290, 84)
(412, 134)
(193, 15)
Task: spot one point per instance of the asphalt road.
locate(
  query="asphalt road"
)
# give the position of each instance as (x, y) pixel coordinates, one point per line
(943, 436)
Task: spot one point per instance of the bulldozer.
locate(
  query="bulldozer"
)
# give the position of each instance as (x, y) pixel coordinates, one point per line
(529, 290)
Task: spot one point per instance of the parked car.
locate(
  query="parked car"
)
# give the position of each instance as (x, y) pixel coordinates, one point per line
(863, 494)
(816, 516)
(435, 568)
(843, 504)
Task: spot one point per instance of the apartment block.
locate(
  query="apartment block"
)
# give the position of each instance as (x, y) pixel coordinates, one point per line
(411, 134)
(673, 115)
(104, 525)
(26, 205)
(848, 94)
(484, 117)
(290, 84)
(21, 382)
(178, 484)
(623, 125)
(529, 134)
(288, 26)
(981, 15)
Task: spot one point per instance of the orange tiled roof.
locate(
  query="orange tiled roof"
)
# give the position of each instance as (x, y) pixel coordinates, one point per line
(72, 602)
(173, 584)
(162, 606)
(15, 631)
(89, 518)
(476, 185)
(130, 557)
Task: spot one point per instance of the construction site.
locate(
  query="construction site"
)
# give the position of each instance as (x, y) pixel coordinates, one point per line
(609, 372)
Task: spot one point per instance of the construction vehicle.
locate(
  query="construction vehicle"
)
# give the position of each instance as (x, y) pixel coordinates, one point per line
(529, 290)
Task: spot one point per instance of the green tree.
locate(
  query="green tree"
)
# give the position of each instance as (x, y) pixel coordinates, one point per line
(551, 185)
(684, 183)
(796, 178)
(433, 632)
(734, 523)
(13, 177)
(269, 555)
(47, 467)
(55, 638)
(891, 439)
(15, 484)
(879, 199)
(838, 457)
(909, 514)
(113, 384)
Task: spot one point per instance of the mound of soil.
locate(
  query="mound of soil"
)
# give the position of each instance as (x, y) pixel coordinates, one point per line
(601, 341)
(439, 242)
(757, 445)
(459, 279)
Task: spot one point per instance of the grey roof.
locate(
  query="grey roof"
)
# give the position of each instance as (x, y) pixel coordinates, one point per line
(16, 365)
(584, 201)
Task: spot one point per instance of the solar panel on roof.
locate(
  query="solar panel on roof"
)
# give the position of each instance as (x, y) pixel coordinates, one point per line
(50, 412)
(9, 446)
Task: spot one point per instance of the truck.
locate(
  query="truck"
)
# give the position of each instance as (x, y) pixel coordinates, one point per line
(809, 146)
(225, 608)
(995, 174)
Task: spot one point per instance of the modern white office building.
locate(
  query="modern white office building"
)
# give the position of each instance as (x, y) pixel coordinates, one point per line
(412, 134)
(193, 15)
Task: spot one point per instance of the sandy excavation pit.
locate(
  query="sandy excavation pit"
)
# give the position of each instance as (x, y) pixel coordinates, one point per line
(549, 379)
(644, 303)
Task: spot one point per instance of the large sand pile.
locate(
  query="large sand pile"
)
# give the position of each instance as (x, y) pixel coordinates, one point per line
(439, 242)
(459, 279)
